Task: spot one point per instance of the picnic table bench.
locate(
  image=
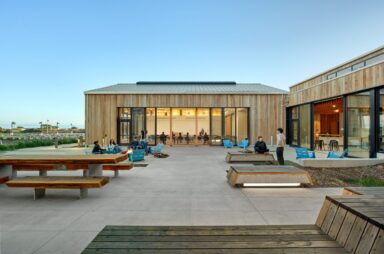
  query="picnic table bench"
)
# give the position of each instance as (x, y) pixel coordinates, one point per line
(339, 228)
(378, 191)
(93, 162)
(44, 168)
(241, 175)
(264, 158)
(41, 183)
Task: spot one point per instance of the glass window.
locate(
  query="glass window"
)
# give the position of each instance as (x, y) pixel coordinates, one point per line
(183, 125)
(137, 123)
(203, 126)
(343, 71)
(375, 60)
(358, 124)
(358, 66)
(230, 124)
(216, 134)
(163, 124)
(331, 76)
(242, 124)
(124, 113)
(295, 112)
(151, 125)
(124, 137)
(381, 120)
(295, 132)
(305, 126)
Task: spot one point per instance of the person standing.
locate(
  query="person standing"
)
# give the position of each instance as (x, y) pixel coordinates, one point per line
(280, 146)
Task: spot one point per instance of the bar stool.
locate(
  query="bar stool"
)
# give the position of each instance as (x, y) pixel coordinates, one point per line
(333, 144)
(319, 144)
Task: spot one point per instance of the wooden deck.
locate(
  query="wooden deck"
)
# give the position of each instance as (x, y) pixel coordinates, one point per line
(240, 175)
(213, 239)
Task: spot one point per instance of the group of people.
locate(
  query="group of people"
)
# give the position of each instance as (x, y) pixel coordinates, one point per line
(112, 147)
(261, 146)
(179, 139)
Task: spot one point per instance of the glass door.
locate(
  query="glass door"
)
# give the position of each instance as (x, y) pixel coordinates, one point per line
(295, 132)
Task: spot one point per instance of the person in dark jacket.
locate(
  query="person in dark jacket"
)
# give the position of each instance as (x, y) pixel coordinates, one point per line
(260, 146)
(163, 138)
(97, 148)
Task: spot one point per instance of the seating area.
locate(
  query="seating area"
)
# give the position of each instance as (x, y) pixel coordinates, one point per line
(341, 227)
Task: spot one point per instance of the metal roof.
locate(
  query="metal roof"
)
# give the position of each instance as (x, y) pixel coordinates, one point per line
(185, 87)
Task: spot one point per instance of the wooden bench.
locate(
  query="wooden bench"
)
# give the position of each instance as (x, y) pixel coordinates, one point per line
(43, 168)
(113, 167)
(378, 191)
(338, 229)
(4, 179)
(264, 176)
(263, 158)
(41, 183)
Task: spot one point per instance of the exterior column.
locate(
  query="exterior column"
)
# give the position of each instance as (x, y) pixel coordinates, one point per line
(170, 128)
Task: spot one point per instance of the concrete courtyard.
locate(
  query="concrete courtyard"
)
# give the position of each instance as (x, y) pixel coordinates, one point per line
(188, 188)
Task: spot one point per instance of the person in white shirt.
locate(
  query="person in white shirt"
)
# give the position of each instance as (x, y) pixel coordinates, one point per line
(280, 146)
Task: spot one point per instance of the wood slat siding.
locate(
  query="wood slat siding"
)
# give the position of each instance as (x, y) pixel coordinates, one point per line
(323, 76)
(360, 80)
(266, 111)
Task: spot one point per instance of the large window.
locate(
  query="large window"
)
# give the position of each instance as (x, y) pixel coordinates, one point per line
(230, 124)
(183, 126)
(359, 124)
(381, 120)
(138, 122)
(242, 124)
(151, 125)
(203, 126)
(124, 125)
(163, 123)
(305, 126)
(216, 131)
(294, 126)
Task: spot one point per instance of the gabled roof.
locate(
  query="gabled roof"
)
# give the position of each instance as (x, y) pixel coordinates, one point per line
(183, 87)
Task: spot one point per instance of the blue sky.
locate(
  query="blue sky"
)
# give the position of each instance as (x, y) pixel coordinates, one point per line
(52, 51)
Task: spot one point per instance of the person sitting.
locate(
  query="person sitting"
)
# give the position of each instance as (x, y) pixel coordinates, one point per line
(163, 138)
(111, 144)
(97, 148)
(205, 138)
(179, 138)
(187, 138)
(260, 146)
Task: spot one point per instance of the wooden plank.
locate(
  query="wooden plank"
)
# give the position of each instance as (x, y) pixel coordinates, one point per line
(214, 245)
(209, 238)
(35, 167)
(213, 232)
(329, 218)
(345, 229)
(62, 182)
(221, 251)
(63, 159)
(118, 166)
(378, 245)
(367, 239)
(323, 212)
(337, 222)
(216, 228)
(355, 235)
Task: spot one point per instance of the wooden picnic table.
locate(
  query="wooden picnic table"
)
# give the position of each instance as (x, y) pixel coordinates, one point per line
(264, 158)
(94, 161)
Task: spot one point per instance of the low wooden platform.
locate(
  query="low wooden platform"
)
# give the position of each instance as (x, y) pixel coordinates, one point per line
(339, 228)
(240, 175)
(264, 158)
(40, 183)
(294, 239)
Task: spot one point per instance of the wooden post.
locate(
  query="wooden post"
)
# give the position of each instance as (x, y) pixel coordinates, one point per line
(170, 128)
(196, 127)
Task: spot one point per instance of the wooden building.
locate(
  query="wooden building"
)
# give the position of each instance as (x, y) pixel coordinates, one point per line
(184, 112)
(341, 108)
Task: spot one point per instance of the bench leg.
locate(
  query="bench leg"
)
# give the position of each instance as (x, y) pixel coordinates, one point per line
(95, 169)
(14, 173)
(83, 193)
(6, 170)
(85, 173)
(39, 193)
(116, 173)
(42, 172)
